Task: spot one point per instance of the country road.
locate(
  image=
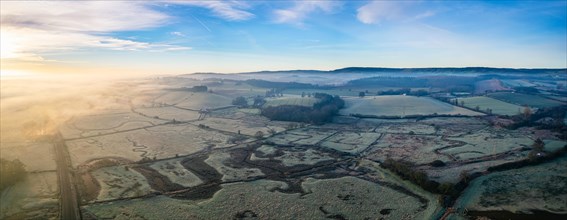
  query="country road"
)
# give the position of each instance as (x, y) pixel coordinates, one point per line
(69, 206)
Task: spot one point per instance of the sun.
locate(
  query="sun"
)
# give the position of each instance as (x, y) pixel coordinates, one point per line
(8, 44)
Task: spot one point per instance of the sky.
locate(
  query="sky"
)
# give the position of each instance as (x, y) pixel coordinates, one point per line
(177, 37)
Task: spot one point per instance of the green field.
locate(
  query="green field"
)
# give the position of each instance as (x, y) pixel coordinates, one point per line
(305, 101)
(524, 99)
(400, 105)
(498, 107)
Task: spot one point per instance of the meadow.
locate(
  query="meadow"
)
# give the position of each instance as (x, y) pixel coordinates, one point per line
(401, 105)
(498, 107)
(532, 101)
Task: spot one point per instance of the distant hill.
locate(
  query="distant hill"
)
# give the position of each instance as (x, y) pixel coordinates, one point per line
(482, 70)
(447, 69)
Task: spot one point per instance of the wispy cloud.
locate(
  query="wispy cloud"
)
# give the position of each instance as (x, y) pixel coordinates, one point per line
(301, 10)
(378, 11)
(91, 16)
(229, 10)
(31, 28)
(177, 33)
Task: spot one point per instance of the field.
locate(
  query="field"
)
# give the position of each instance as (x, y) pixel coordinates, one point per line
(485, 143)
(419, 149)
(301, 101)
(341, 92)
(151, 154)
(518, 83)
(35, 198)
(290, 157)
(120, 182)
(245, 126)
(489, 85)
(398, 105)
(303, 136)
(36, 157)
(176, 173)
(193, 100)
(168, 113)
(351, 142)
(524, 99)
(498, 107)
(159, 142)
(524, 190)
(218, 161)
(261, 199)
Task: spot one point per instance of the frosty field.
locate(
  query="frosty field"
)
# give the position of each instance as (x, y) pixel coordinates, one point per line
(398, 105)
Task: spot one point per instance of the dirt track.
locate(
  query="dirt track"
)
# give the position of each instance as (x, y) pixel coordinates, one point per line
(69, 205)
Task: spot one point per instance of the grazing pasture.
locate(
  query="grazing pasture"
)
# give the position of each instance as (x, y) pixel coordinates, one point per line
(518, 83)
(489, 85)
(159, 142)
(400, 105)
(532, 101)
(527, 189)
(498, 107)
(194, 100)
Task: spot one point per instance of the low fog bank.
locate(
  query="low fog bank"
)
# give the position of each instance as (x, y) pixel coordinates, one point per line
(35, 105)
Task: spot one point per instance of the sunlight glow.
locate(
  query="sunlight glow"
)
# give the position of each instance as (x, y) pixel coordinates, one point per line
(8, 45)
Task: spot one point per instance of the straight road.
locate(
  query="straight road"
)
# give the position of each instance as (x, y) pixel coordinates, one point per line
(69, 206)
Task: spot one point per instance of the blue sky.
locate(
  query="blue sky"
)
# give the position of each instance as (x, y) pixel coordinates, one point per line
(233, 36)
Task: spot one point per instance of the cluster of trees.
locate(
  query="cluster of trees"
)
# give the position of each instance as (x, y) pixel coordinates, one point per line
(537, 149)
(529, 118)
(321, 112)
(242, 102)
(198, 89)
(402, 91)
(449, 191)
(274, 92)
(11, 172)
